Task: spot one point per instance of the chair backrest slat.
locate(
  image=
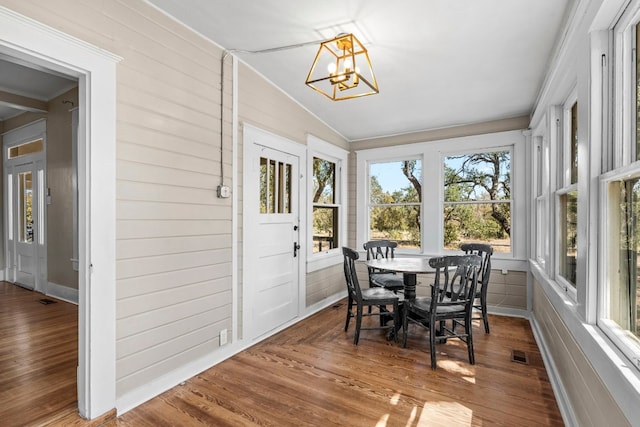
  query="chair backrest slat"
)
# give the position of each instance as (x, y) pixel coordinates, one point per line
(456, 279)
(485, 251)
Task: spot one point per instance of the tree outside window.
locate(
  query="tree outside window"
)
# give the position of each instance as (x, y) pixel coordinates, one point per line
(395, 199)
(325, 209)
(477, 200)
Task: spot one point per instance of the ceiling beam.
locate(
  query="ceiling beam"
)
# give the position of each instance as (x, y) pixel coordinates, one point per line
(22, 102)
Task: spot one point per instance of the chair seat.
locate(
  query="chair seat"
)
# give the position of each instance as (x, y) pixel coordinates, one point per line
(387, 280)
(380, 294)
(424, 304)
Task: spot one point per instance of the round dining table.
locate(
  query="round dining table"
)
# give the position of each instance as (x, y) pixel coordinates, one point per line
(409, 267)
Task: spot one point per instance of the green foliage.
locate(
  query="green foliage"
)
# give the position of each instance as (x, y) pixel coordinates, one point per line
(477, 193)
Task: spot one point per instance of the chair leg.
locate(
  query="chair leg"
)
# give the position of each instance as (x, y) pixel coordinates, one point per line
(432, 343)
(358, 324)
(405, 327)
(468, 327)
(349, 305)
(485, 316)
(396, 319)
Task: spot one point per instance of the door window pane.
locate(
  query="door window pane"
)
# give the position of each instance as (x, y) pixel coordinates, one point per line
(275, 186)
(25, 149)
(25, 216)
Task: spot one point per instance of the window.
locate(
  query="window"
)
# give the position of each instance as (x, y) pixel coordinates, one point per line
(623, 295)
(477, 200)
(395, 199)
(326, 213)
(326, 218)
(540, 234)
(619, 290)
(431, 196)
(567, 196)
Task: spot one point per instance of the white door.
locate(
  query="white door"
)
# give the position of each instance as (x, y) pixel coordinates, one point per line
(271, 243)
(24, 212)
(24, 207)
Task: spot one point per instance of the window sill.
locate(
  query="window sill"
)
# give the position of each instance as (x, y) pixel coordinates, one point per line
(324, 260)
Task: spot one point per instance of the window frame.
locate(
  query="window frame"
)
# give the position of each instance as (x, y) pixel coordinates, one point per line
(318, 148)
(564, 186)
(432, 154)
(623, 166)
(470, 152)
(368, 204)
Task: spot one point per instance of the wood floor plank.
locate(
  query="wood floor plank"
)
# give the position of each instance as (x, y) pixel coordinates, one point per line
(308, 375)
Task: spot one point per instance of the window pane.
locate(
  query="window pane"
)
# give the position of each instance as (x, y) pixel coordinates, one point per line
(477, 222)
(482, 176)
(574, 143)
(25, 149)
(624, 295)
(396, 182)
(637, 94)
(399, 223)
(325, 228)
(471, 183)
(568, 235)
(324, 181)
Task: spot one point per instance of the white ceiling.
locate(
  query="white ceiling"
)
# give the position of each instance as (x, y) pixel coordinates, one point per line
(26, 80)
(439, 63)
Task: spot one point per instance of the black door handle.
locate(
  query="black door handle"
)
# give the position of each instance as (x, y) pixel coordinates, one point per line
(296, 246)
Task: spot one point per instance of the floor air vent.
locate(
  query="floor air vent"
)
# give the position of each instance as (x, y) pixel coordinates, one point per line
(47, 301)
(519, 356)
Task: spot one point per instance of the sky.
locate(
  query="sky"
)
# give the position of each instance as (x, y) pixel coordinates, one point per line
(389, 176)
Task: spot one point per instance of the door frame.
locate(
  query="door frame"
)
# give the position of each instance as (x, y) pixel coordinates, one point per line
(275, 142)
(32, 42)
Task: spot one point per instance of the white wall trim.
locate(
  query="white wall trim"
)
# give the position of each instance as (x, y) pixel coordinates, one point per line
(28, 40)
(64, 293)
(564, 404)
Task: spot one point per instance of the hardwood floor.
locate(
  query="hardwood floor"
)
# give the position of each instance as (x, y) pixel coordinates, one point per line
(311, 374)
(38, 357)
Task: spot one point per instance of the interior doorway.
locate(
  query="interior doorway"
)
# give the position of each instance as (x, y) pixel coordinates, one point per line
(41, 47)
(25, 234)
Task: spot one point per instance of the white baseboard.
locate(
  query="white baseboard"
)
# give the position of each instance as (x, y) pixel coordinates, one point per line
(62, 292)
(507, 311)
(566, 410)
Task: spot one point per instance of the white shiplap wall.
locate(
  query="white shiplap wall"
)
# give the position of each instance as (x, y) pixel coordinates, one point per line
(173, 234)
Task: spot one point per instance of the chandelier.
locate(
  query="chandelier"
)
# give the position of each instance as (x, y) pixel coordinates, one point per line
(342, 69)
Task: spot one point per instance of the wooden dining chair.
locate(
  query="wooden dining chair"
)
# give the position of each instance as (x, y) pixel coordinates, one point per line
(485, 251)
(378, 249)
(452, 296)
(368, 297)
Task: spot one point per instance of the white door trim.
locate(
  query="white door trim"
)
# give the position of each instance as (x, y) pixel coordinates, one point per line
(276, 142)
(33, 42)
